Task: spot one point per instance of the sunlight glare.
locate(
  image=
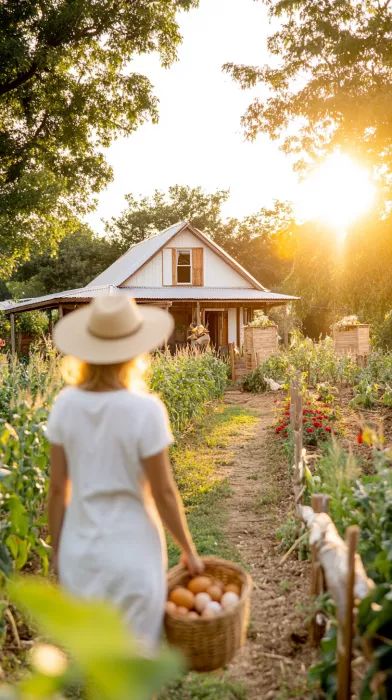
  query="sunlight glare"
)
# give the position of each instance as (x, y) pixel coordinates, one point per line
(336, 193)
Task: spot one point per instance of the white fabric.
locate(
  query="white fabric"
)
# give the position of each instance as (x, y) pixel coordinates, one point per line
(112, 544)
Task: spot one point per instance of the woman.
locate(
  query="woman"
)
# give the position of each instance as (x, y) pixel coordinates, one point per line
(111, 483)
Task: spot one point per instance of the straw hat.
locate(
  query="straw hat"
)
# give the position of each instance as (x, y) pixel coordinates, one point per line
(112, 329)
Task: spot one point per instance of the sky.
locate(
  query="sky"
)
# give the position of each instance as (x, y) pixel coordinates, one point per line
(199, 139)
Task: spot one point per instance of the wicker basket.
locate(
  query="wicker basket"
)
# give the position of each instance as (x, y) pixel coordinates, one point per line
(209, 644)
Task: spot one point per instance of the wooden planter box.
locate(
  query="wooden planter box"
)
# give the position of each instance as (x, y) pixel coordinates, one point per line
(259, 343)
(353, 341)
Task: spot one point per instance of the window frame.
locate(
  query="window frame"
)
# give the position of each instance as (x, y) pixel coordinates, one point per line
(180, 251)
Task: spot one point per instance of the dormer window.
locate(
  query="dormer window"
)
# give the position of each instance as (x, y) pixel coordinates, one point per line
(184, 267)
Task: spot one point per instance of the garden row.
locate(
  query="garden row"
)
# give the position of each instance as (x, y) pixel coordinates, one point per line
(358, 490)
(186, 383)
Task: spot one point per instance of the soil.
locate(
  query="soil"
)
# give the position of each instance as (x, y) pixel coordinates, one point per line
(275, 660)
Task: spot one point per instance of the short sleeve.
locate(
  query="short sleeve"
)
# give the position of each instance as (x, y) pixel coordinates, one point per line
(155, 433)
(54, 432)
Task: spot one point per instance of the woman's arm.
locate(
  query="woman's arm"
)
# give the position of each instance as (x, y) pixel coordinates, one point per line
(58, 493)
(170, 507)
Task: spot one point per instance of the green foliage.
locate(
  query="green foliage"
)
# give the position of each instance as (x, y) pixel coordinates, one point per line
(375, 626)
(185, 382)
(103, 661)
(383, 332)
(145, 216)
(66, 91)
(80, 257)
(329, 73)
(323, 673)
(335, 474)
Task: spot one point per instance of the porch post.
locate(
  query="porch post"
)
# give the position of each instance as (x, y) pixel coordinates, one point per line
(61, 312)
(50, 319)
(13, 335)
(198, 315)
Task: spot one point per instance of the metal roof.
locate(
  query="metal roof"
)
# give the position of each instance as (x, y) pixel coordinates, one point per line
(135, 257)
(139, 254)
(5, 304)
(84, 294)
(201, 293)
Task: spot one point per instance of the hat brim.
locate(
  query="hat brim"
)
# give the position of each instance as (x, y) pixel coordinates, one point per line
(72, 337)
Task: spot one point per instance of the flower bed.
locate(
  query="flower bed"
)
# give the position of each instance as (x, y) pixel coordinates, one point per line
(319, 421)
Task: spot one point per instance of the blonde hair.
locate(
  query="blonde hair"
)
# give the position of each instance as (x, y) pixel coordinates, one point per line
(121, 375)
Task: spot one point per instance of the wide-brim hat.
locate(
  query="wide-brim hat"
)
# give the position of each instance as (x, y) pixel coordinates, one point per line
(112, 329)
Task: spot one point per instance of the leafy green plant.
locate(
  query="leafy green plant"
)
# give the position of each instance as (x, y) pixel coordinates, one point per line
(101, 658)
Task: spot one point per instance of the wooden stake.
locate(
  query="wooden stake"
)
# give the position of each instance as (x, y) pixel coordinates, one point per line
(320, 504)
(346, 626)
(232, 361)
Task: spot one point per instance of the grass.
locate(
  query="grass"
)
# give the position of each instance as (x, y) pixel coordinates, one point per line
(211, 687)
(198, 462)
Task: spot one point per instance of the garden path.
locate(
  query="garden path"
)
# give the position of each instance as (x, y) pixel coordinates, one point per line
(274, 662)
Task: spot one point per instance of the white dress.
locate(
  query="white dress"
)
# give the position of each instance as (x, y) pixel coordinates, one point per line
(112, 544)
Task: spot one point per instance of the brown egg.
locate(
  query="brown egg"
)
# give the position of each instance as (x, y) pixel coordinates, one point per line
(182, 597)
(192, 615)
(233, 588)
(170, 607)
(215, 592)
(199, 584)
(182, 611)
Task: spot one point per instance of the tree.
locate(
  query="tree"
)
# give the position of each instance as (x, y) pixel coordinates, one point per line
(330, 81)
(80, 257)
(145, 216)
(67, 88)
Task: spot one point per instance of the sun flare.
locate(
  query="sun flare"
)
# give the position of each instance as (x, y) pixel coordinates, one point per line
(336, 193)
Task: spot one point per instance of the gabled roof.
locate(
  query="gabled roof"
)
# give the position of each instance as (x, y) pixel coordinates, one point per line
(136, 257)
(139, 254)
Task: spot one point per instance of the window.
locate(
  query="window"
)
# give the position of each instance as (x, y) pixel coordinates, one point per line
(184, 267)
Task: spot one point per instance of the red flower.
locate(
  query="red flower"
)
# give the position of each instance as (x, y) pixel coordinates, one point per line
(317, 424)
(328, 429)
(309, 430)
(360, 438)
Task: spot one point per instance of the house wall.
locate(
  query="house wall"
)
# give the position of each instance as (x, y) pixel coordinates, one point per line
(217, 273)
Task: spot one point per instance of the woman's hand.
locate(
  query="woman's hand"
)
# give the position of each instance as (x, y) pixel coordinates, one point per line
(192, 562)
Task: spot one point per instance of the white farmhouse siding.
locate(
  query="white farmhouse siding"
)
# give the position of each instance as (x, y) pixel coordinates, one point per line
(217, 273)
(167, 267)
(150, 275)
(232, 326)
(185, 239)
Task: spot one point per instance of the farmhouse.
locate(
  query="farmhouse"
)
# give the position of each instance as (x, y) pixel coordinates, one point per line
(180, 269)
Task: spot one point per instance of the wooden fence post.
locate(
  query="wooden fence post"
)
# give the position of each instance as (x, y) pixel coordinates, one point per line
(320, 504)
(346, 625)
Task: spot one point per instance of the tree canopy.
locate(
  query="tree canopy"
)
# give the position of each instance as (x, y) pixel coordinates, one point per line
(80, 257)
(145, 216)
(67, 87)
(329, 82)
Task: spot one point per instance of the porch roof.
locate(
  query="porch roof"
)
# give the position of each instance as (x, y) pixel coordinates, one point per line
(149, 294)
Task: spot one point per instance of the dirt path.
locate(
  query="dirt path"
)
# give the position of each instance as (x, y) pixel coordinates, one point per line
(274, 662)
